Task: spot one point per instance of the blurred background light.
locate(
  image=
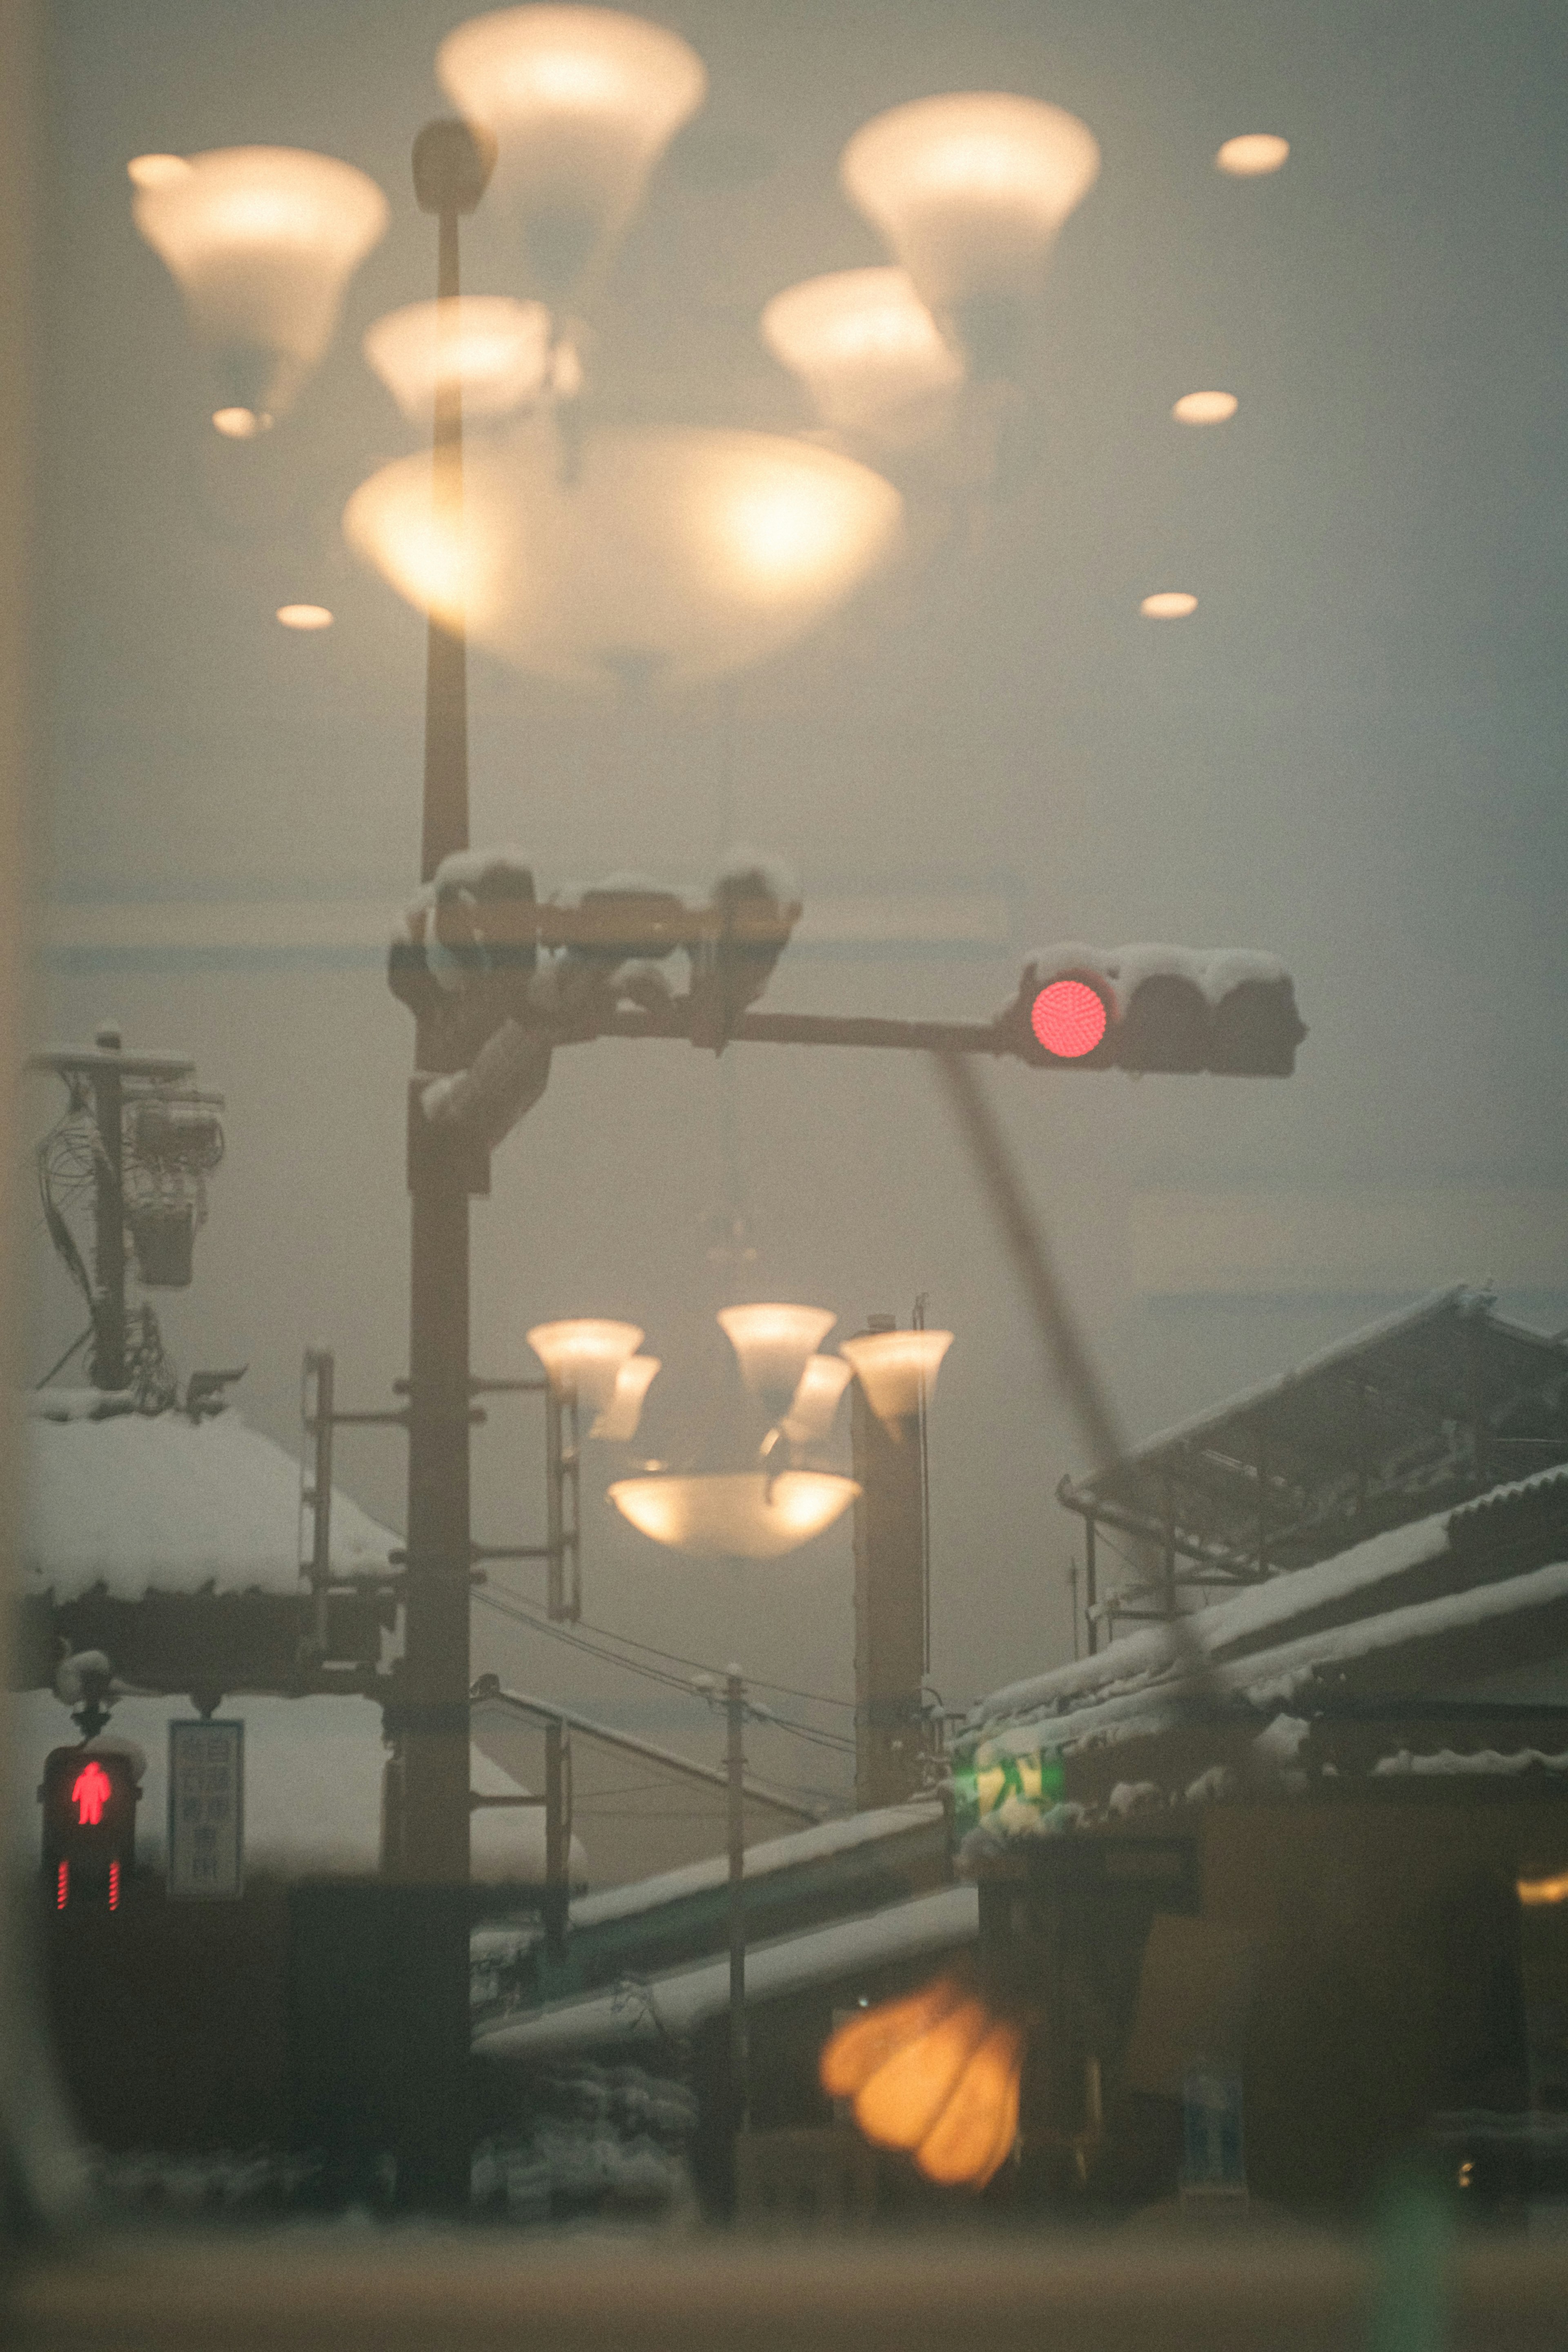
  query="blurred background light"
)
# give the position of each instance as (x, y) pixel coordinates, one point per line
(1169, 604)
(156, 171)
(868, 350)
(742, 1513)
(304, 616)
(1205, 408)
(584, 1354)
(896, 1369)
(1253, 155)
(619, 1421)
(498, 349)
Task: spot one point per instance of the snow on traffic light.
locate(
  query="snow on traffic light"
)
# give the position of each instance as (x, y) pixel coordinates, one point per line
(89, 1795)
(1231, 1011)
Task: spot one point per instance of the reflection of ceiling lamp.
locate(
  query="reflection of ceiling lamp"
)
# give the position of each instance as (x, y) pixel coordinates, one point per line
(1253, 155)
(583, 102)
(868, 350)
(772, 1345)
(659, 555)
(1205, 408)
(938, 2073)
(742, 1513)
(815, 1400)
(263, 241)
(585, 1356)
(970, 193)
(498, 350)
(896, 1369)
(619, 1421)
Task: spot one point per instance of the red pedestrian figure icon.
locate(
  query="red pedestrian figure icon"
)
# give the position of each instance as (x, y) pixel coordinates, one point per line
(89, 1792)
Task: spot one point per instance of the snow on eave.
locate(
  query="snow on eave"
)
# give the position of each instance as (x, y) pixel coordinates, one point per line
(642, 1894)
(678, 2000)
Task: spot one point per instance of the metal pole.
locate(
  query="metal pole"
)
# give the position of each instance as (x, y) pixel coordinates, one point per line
(735, 1709)
(108, 1217)
(1090, 1587)
(557, 1839)
(319, 1362)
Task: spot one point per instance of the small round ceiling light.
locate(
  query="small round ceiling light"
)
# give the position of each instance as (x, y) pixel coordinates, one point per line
(304, 616)
(1169, 604)
(156, 171)
(745, 1515)
(1253, 155)
(240, 423)
(1205, 408)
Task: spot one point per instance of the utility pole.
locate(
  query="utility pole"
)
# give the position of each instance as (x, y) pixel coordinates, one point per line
(889, 1601)
(739, 2066)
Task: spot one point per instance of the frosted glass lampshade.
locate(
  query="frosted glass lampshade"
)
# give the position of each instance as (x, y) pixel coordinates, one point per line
(619, 1421)
(867, 349)
(970, 190)
(663, 555)
(498, 349)
(583, 102)
(895, 1367)
(263, 241)
(773, 1344)
(746, 1514)
(815, 1400)
(585, 1354)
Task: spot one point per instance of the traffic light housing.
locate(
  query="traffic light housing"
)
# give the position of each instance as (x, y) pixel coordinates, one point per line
(88, 1796)
(1230, 1011)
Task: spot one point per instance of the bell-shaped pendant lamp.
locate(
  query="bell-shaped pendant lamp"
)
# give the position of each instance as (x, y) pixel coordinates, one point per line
(657, 556)
(619, 1421)
(743, 1514)
(815, 1400)
(497, 348)
(937, 2072)
(969, 191)
(585, 1355)
(895, 1369)
(582, 102)
(263, 241)
(868, 350)
(773, 1344)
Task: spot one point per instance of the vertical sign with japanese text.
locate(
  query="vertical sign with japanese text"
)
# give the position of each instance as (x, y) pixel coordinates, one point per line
(206, 1810)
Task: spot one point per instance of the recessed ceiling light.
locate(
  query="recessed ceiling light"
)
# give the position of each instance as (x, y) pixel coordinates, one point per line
(1205, 408)
(241, 424)
(1254, 154)
(156, 171)
(1168, 604)
(304, 616)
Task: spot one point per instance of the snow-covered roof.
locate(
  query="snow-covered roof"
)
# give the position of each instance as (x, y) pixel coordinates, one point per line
(142, 1503)
(312, 1787)
(681, 1999)
(772, 1855)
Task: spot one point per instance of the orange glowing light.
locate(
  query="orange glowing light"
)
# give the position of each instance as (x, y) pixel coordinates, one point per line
(1536, 1892)
(937, 2074)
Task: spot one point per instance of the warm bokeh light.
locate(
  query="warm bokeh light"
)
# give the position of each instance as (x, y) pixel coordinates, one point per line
(498, 349)
(773, 1343)
(1205, 408)
(718, 1513)
(868, 350)
(619, 1421)
(304, 616)
(263, 241)
(663, 555)
(1253, 154)
(1069, 1018)
(970, 191)
(583, 102)
(815, 1400)
(240, 423)
(1169, 604)
(156, 171)
(895, 1369)
(935, 2072)
(1536, 1892)
(584, 1354)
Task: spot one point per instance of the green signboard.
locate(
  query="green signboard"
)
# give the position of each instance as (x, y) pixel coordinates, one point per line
(1006, 1792)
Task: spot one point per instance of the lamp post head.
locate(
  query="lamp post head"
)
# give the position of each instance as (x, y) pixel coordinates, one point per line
(453, 161)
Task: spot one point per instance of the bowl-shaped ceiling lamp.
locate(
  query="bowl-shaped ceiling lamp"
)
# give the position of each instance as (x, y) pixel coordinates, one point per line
(585, 1356)
(815, 1400)
(659, 556)
(263, 241)
(498, 349)
(895, 1369)
(742, 1513)
(619, 1421)
(969, 192)
(583, 102)
(773, 1344)
(868, 350)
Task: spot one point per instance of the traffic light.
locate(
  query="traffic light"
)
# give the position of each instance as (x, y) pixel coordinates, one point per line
(1231, 1011)
(757, 904)
(88, 1796)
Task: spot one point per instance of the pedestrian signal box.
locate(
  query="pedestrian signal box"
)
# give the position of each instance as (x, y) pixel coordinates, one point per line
(88, 1797)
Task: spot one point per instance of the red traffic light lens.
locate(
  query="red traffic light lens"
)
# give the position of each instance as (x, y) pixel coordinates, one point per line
(1068, 1017)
